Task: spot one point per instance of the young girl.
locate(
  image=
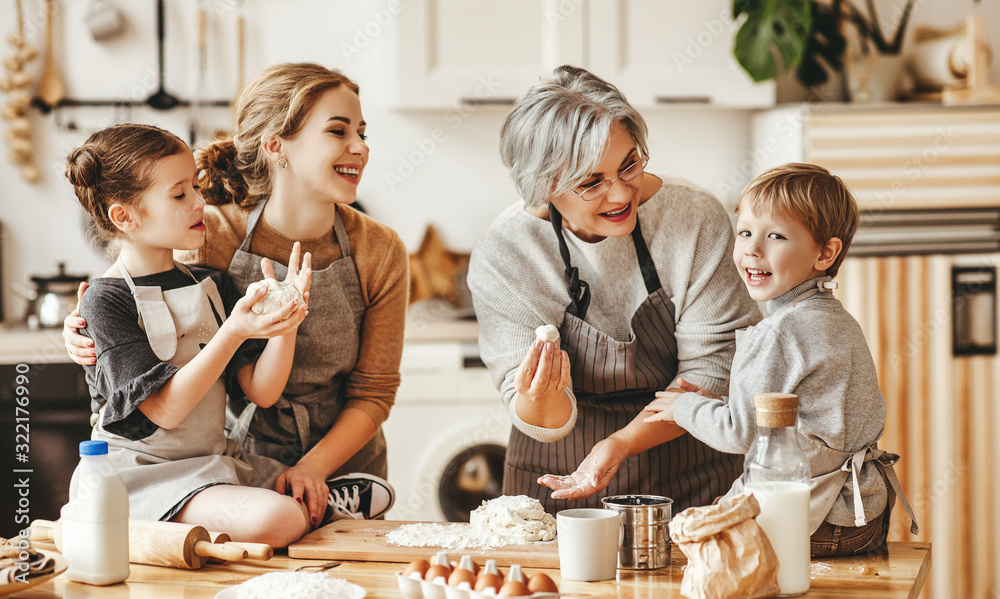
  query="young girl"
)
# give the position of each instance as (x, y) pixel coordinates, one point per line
(166, 351)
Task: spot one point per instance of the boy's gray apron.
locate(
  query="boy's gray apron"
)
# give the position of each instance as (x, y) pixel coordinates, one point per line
(326, 350)
(613, 381)
(166, 467)
(837, 466)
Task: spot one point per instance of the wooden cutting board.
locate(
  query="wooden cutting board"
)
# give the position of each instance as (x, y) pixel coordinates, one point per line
(364, 540)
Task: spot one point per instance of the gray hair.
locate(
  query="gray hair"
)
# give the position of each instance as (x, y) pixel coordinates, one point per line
(556, 135)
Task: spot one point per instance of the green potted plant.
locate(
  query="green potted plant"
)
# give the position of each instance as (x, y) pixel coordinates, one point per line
(808, 35)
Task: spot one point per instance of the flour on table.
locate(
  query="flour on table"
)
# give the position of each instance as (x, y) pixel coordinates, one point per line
(301, 585)
(506, 520)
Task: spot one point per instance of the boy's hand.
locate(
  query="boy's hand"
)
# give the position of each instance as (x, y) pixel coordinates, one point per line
(663, 406)
(692, 388)
(301, 277)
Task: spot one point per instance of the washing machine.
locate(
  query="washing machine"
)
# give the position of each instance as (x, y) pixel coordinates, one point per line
(447, 433)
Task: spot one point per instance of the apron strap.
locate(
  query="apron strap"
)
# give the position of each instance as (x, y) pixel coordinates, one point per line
(646, 266)
(252, 220)
(884, 462)
(154, 316)
(579, 291)
(342, 239)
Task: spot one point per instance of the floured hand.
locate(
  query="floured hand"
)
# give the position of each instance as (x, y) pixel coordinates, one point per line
(593, 475)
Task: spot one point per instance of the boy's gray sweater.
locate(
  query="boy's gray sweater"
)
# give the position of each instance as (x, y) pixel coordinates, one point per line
(815, 349)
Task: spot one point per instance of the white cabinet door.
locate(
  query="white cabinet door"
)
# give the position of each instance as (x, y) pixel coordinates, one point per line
(660, 52)
(482, 51)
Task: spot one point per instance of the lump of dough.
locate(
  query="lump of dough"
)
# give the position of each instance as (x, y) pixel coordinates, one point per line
(279, 293)
(519, 517)
(547, 332)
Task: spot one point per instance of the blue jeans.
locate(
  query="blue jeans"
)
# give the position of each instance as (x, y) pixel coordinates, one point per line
(831, 540)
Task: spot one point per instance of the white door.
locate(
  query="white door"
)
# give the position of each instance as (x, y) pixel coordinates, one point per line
(661, 53)
(482, 51)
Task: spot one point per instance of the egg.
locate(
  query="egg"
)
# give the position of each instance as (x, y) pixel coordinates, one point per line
(541, 583)
(417, 565)
(435, 571)
(460, 575)
(487, 580)
(514, 588)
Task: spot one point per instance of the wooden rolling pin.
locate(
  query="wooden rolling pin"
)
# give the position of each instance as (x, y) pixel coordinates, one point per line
(170, 544)
(261, 551)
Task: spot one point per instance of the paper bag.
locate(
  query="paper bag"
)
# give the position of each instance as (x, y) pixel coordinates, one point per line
(728, 553)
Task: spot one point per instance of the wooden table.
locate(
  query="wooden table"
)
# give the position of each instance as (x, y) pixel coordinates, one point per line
(899, 574)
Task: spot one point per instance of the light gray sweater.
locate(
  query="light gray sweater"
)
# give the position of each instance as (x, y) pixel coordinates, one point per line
(516, 280)
(815, 349)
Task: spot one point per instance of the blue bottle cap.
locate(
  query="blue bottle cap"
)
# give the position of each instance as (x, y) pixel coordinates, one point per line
(93, 448)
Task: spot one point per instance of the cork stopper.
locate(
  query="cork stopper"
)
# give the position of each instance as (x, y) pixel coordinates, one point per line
(776, 409)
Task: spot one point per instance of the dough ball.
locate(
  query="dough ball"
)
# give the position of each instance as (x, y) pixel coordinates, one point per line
(547, 332)
(279, 293)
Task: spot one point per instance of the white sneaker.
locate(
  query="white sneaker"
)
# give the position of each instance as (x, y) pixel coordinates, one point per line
(359, 496)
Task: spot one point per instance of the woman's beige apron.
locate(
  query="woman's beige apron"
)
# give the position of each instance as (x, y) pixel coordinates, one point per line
(836, 465)
(613, 381)
(326, 350)
(166, 467)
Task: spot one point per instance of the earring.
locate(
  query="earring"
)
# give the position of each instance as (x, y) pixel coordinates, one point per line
(282, 163)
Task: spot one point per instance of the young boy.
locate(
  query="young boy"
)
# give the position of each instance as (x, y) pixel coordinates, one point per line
(795, 223)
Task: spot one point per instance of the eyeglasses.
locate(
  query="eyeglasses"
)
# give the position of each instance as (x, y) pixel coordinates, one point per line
(600, 189)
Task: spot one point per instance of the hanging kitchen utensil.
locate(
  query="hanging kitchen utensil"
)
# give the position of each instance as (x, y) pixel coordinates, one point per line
(104, 20)
(240, 46)
(161, 100)
(201, 58)
(51, 90)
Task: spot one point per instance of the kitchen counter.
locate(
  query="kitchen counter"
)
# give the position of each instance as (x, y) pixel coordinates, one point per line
(20, 345)
(899, 574)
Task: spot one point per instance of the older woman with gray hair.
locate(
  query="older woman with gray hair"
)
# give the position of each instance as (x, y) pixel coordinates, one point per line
(637, 307)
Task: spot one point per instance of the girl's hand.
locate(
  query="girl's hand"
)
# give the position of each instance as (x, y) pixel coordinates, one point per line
(244, 324)
(544, 373)
(306, 486)
(594, 473)
(301, 277)
(80, 348)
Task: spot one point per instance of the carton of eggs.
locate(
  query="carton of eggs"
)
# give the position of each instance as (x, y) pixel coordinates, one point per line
(441, 579)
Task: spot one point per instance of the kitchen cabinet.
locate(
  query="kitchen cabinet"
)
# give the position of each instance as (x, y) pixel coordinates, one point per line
(471, 52)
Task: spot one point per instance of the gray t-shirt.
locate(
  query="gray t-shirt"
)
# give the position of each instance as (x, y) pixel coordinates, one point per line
(127, 370)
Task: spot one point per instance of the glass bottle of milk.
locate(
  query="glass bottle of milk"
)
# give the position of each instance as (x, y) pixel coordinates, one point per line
(777, 473)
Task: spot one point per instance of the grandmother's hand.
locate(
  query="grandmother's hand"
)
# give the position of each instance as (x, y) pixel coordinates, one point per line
(594, 473)
(542, 379)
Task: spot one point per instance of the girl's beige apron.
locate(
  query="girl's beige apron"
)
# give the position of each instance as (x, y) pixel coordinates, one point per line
(613, 381)
(326, 350)
(166, 467)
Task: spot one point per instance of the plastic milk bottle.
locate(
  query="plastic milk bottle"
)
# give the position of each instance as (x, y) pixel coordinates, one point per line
(95, 521)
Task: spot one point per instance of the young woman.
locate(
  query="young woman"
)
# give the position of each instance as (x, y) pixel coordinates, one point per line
(171, 342)
(291, 172)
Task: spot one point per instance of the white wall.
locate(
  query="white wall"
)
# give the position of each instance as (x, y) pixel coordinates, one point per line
(458, 185)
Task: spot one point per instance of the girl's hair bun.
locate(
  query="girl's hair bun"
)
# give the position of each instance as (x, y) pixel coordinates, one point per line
(83, 167)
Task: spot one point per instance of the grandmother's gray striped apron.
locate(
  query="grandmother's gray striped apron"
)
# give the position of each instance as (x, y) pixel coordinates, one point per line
(613, 381)
(326, 351)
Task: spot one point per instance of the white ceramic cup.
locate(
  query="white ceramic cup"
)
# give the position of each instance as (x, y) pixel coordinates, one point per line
(588, 543)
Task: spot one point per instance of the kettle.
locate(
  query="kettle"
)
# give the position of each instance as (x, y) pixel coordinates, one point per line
(52, 298)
